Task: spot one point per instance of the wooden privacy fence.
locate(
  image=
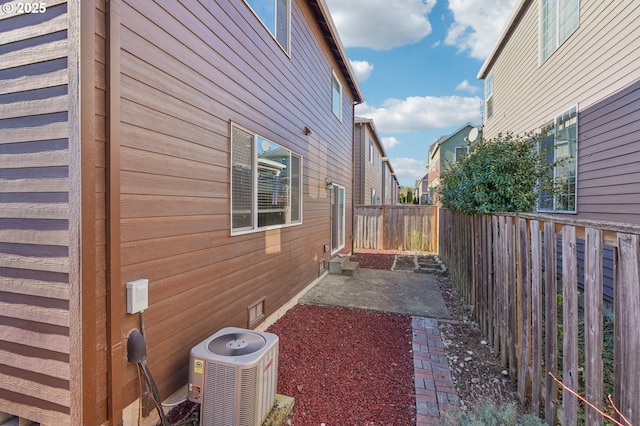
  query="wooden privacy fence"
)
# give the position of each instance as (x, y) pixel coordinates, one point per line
(396, 227)
(505, 266)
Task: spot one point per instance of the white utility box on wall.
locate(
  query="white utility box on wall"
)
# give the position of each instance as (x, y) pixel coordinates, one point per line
(137, 296)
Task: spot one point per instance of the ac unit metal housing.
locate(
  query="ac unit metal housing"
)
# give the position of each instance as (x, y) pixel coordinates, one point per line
(233, 375)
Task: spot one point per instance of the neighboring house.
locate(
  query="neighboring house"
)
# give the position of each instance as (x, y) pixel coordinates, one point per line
(445, 149)
(395, 187)
(393, 191)
(189, 144)
(570, 71)
(374, 180)
(423, 189)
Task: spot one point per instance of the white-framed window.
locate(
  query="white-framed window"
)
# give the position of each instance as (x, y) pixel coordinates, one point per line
(558, 20)
(461, 151)
(336, 97)
(373, 197)
(275, 15)
(559, 143)
(488, 96)
(266, 183)
(372, 152)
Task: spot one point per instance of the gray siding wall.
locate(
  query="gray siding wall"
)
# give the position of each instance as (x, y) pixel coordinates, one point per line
(598, 62)
(609, 158)
(35, 216)
(360, 156)
(368, 176)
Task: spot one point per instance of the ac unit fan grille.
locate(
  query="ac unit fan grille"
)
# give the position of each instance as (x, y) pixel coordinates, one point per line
(217, 406)
(248, 379)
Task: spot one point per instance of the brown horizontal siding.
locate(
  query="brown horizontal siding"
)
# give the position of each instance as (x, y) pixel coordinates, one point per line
(34, 216)
(186, 73)
(98, 367)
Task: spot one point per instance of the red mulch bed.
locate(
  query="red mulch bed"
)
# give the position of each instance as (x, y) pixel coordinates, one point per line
(373, 261)
(346, 366)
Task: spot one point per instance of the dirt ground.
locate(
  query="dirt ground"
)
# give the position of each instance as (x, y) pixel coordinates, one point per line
(475, 367)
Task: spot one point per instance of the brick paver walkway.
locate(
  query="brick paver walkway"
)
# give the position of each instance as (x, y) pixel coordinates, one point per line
(435, 392)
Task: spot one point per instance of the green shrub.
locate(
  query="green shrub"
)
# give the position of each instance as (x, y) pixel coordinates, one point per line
(489, 413)
(502, 174)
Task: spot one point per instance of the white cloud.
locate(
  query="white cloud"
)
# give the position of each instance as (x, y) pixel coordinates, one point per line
(362, 70)
(378, 25)
(478, 24)
(408, 170)
(390, 143)
(465, 86)
(420, 113)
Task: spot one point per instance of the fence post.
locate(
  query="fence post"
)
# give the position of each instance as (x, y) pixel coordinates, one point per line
(627, 318)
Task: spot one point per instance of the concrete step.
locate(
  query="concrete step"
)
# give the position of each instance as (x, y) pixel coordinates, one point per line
(336, 264)
(350, 268)
(341, 265)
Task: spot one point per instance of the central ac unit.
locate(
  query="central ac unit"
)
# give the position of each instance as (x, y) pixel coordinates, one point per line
(233, 375)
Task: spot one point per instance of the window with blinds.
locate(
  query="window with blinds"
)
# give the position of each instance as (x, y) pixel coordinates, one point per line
(266, 183)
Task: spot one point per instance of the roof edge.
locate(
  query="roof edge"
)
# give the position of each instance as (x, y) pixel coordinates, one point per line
(502, 41)
(369, 121)
(335, 43)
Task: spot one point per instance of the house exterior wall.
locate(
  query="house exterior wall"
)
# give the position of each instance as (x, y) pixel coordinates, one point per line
(442, 151)
(433, 176)
(369, 175)
(185, 75)
(52, 214)
(598, 65)
(115, 125)
(388, 184)
(360, 158)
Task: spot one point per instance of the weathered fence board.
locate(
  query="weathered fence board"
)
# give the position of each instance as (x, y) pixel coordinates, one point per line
(593, 288)
(489, 267)
(512, 331)
(536, 315)
(627, 318)
(391, 227)
(524, 300)
(569, 325)
(551, 323)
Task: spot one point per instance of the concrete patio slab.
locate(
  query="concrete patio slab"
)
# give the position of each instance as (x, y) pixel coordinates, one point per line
(390, 291)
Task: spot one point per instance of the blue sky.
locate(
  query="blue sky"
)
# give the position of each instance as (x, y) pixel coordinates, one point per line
(417, 63)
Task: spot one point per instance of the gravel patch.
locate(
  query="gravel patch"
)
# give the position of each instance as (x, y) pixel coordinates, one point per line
(346, 366)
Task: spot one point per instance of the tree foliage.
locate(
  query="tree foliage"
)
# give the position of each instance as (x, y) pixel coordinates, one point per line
(503, 174)
(409, 196)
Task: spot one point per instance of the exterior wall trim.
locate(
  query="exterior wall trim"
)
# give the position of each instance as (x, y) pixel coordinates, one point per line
(115, 353)
(82, 230)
